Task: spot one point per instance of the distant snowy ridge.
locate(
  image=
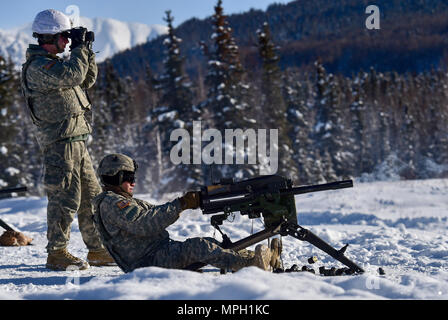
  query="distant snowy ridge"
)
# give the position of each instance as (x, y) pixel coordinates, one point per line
(112, 36)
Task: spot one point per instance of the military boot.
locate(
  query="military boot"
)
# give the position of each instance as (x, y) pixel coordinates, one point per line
(276, 249)
(262, 257)
(60, 260)
(100, 258)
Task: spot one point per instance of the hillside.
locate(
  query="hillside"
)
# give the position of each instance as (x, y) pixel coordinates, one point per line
(412, 37)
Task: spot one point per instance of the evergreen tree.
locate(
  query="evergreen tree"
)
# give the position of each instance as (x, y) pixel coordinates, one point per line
(298, 95)
(10, 149)
(175, 87)
(116, 96)
(383, 144)
(225, 104)
(326, 130)
(361, 120)
(273, 105)
(438, 106)
(174, 110)
(103, 130)
(115, 117)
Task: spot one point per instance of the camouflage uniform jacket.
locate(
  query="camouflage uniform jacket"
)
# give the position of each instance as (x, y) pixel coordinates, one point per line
(131, 228)
(54, 92)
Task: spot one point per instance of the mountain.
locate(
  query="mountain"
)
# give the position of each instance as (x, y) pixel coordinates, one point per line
(411, 38)
(112, 36)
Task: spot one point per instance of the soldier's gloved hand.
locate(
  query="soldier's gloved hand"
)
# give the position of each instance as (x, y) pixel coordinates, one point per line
(190, 200)
(78, 36)
(90, 38)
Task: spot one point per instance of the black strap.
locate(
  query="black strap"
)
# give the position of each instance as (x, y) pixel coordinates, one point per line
(28, 100)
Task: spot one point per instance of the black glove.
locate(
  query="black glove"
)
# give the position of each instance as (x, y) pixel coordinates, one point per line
(190, 200)
(90, 38)
(78, 36)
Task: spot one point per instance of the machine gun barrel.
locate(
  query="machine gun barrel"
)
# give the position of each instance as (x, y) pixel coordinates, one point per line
(227, 196)
(319, 187)
(271, 197)
(11, 190)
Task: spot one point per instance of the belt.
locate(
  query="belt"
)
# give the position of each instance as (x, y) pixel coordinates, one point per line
(82, 137)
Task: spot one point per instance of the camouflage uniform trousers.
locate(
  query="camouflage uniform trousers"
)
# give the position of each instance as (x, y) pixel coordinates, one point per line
(71, 184)
(179, 255)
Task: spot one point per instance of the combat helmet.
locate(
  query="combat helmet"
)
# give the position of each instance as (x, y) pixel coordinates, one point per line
(49, 24)
(114, 166)
(51, 21)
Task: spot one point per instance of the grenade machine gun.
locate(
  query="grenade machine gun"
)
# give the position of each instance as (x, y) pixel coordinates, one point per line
(270, 197)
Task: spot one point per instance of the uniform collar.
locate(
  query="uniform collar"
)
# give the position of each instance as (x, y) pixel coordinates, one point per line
(117, 190)
(36, 50)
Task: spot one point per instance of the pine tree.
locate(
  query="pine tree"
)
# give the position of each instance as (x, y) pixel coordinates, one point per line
(175, 87)
(116, 97)
(383, 144)
(227, 91)
(438, 84)
(103, 136)
(226, 106)
(174, 110)
(361, 123)
(327, 130)
(298, 97)
(115, 119)
(10, 150)
(273, 105)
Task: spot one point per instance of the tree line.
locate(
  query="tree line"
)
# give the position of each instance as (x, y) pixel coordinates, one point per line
(371, 125)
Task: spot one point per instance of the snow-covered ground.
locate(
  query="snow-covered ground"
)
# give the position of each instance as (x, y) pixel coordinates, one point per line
(400, 226)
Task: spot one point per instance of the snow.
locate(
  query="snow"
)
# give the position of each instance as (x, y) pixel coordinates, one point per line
(12, 171)
(400, 226)
(167, 116)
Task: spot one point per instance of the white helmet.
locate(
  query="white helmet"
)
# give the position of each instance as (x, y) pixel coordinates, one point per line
(51, 22)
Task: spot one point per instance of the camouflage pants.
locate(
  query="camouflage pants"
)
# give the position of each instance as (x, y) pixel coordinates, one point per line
(71, 184)
(179, 255)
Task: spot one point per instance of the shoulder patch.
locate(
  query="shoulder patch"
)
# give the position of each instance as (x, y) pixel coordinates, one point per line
(123, 204)
(49, 65)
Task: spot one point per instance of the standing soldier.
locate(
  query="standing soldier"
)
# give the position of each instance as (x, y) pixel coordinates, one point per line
(134, 231)
(57, 103)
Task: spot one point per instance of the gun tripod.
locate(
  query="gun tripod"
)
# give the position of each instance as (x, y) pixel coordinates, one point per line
(285, 228)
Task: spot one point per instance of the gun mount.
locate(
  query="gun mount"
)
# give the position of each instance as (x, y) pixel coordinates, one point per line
(270, 197)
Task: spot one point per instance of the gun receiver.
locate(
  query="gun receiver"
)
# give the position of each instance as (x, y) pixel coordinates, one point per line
(270, 197)
(3, 224)
(12, 190)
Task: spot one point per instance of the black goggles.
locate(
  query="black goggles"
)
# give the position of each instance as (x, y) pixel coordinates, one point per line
(128, 176)
(66, 34)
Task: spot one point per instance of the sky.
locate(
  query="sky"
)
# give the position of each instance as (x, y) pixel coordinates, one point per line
(17, 13)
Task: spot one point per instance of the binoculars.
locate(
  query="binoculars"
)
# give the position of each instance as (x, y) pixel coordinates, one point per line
(79, 33)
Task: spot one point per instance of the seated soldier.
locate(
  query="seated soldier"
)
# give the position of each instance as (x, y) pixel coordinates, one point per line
(134, 231)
